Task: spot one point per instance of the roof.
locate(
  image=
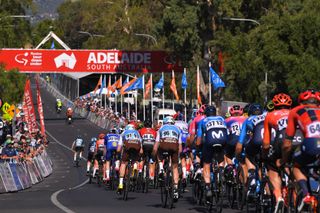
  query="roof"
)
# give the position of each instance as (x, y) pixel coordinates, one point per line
(77, 75)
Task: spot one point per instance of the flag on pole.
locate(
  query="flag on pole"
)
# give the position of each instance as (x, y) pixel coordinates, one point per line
(28, 108)
(40, 109)
(198, 87)
(98, 84)
(109, 87)
(221, 62)
(138, 84)
(126, 85)
(160, 83)
(184, 82)
(103, 85)
(148, 88)
(173, 86)
(216, 80)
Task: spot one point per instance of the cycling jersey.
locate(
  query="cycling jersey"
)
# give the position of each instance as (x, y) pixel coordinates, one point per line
(169, 134)
(111, 141)
(214, 130)
(79, 142)
(255, 125)
(148, 136)
(100, 145)
(234, 125)
(130, 136)
(194, 124)
(132, 143)
(183, 126)
(92, 146)
(69, 112)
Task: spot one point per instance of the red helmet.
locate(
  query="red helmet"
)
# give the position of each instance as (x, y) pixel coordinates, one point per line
(101, 136)
(235, 109)
(202, 109)
(309, 94)
(282, 99)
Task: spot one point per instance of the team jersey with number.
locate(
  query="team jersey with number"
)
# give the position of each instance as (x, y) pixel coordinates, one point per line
(100, 145)
(214, 129)
(275, 125)
(130, 136)
(255, 126)
(307, 117)
(148, 136)
(92, 146)
(234, 125)
(194, 124)
(111, 141)
(183, 126)
(169, 133)
(79, 142)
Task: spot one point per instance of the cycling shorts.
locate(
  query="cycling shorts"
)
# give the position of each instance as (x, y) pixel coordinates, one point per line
(172, 149)
(309, 151)
(253, 152)
(230, 150)
(274, 155)
(99, 155)
(90, 156)
(131, 150)
(109, 154)
(147, 150)
(79, 148)
(212, 151)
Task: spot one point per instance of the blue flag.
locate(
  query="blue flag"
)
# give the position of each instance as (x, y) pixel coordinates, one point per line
(216, 81)
(159, 85)
(52, 45)
(138, 84)
(184, 82)
(103, 85)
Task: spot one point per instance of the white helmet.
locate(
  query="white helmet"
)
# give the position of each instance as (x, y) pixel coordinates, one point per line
(168, 120)
(130, 127)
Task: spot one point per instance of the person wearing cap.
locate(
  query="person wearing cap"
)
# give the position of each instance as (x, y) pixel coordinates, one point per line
(9, 151)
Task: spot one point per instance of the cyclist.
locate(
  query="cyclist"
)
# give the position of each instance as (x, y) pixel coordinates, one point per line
(214, 130)
(78, 147)
(183, 126)
(169, 140)
(234, 125)
(307, 117)
(130, 143)
(111, 141)
(69, 113)
(58, 105)
(254, 126)
(148, 136)
(99, 153)
(275, 121)
(91, 151)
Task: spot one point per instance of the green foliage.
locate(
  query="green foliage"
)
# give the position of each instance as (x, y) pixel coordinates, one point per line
(11, 85)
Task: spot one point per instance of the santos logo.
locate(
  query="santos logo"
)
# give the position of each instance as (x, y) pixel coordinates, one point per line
(66, 60)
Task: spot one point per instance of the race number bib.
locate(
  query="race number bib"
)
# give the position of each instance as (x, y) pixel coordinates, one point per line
(258, 119)
(215, 124)
(282, 123)
(314, 129)
(131, 136)
(147, 137)
(235, 128)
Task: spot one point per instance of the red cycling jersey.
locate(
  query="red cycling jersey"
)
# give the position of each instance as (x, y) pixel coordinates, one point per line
(277, 120)
(194, 124)
(100, 144)
(307, 117)
(148, 134)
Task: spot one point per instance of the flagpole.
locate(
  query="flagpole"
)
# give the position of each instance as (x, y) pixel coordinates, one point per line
(115, 96)
(121, 97)
(163, 91)
(198, 86)
(143, 100)
(210, 97)
(105, 96)
(172, 75)
(109, 92)
(151, 98)
(185, 97)
(136, 101)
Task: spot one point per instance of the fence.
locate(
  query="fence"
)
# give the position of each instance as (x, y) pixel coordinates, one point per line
(18, 176)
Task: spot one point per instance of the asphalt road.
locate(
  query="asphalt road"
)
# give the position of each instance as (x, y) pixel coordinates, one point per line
(66, 189)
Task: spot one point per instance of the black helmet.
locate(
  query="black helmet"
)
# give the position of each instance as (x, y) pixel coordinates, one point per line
(148, 123)
(255, 109)
(246, 108)
(210, 111)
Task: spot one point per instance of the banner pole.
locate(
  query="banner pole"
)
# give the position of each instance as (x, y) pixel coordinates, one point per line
(210, 95)
(143, 99)
(121, 98)
(151, 98)
(185, 97)
(109, 93)
(163, 91)
(115, 96)
(173, 97)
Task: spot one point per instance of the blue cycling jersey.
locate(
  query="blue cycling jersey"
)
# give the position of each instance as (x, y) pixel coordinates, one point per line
(131, 135)
(111, 141)
(169, 133)
(183, 126)
(214, 130)
(255, 125)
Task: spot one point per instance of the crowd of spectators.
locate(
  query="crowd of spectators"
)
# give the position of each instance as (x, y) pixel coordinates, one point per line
(94, 105)
(17, 143)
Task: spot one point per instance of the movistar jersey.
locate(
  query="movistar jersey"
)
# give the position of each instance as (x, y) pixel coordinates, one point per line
(214, 129)
(255, 125)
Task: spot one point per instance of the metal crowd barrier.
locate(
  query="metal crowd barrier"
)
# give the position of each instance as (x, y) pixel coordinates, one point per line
(18, 176)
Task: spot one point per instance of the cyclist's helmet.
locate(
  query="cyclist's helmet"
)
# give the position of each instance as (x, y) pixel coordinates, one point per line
(168, 120)
(79, 136)
(246, 109)
(148, 123)
(235, 110)
(101, 136)
(282, 99)
(93, 139)
(255, 109)
(269, 106)
(211, 111)
(130, 127)
(113, 131)
(309, 96)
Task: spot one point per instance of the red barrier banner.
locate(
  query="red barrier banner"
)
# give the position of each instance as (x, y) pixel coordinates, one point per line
(95, 61)
(40, 108)
(28, 108)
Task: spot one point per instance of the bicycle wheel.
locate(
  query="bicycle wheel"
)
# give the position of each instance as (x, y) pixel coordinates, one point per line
(266, 199)
(231, 193)
(164, 194)
(240, 189)
(218, 191)
(290, 200)
(127, 183)
(169, 186)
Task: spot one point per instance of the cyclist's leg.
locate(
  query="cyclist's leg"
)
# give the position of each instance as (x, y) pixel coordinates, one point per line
(90, 157)
(107, 163)
(123, 166)
(251, 152)
(207, 156)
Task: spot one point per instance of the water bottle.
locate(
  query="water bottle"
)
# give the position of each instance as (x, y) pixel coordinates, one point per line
(258, 186)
